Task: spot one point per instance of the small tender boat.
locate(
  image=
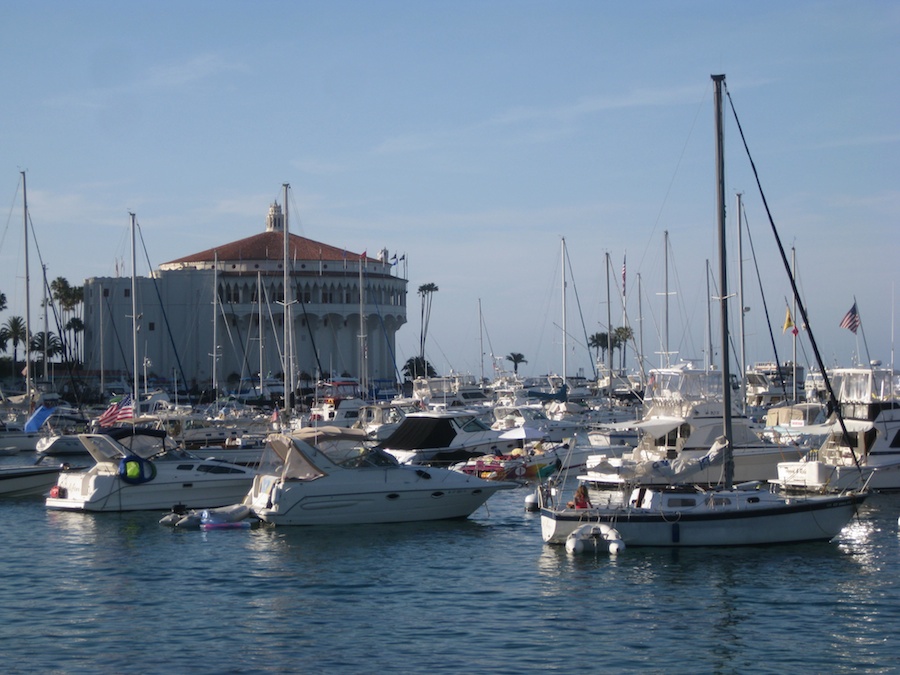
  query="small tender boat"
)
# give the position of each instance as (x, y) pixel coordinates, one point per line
(332, 476)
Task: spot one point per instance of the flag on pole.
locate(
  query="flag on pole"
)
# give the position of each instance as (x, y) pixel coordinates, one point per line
(789, 323)
(623, 275)
(126, 409)
(851, 320)
(108, 418)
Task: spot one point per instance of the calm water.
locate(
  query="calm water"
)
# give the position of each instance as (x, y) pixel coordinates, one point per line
(117, 593)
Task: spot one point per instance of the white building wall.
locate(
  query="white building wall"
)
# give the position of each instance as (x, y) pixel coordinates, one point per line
(185, 328)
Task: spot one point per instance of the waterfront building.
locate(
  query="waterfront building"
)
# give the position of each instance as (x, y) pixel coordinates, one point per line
(345, 310)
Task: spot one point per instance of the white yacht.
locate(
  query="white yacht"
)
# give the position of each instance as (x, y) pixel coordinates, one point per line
(332, 476)
(143, 469)
(869, 399)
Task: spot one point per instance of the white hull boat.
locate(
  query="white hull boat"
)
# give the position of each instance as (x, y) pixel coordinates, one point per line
(28, 481)
(869, 454)
(143, 469)
(691, 517)
(330, 476)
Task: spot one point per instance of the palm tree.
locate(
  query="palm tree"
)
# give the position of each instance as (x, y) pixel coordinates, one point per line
(2, 301)
(516, 359)
(75, 326)
(54, 345)
(418, 367)
(622, 336)
(14, 331)
(600, 343)
(426, 291)
(69, 298)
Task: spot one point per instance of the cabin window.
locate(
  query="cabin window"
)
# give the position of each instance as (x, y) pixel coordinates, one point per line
(127, 292)
(719, 501)
(682, 501)
(151, 326)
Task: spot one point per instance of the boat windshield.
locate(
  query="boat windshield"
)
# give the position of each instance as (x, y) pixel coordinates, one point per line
(355, 455)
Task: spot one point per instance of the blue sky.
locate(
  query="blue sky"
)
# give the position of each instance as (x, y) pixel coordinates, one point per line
(474, 137)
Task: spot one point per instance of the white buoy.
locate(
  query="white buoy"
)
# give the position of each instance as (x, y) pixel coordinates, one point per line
(531, 502)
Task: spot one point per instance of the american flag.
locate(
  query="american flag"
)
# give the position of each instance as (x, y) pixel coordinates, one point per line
(851, 319)
(123, 410)
(126, 409)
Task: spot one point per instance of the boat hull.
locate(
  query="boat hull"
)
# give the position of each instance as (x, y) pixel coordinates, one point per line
(402, 495)
(104, 490)
(813, 518)
(27, 481)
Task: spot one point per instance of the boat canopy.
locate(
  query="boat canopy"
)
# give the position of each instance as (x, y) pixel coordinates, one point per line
(416, 433)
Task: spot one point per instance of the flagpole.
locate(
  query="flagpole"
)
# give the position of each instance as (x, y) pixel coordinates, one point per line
(795, 333)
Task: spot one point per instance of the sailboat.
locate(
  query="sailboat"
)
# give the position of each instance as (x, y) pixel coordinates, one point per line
(685, 515)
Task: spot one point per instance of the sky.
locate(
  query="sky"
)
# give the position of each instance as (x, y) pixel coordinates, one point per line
(488, 141)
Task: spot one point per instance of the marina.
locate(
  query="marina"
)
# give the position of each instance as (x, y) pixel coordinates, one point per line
(490, 338)
(417, 597)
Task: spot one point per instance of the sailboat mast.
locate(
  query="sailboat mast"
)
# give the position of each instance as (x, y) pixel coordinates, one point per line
(609, 335)
(134, 318)
(215, 325)
(28, 391)
(286, 280)
(794, 397)
(666, 292)
(723, 280)
(740, 245)
(259, 319)
(564, 327)
(363, 362)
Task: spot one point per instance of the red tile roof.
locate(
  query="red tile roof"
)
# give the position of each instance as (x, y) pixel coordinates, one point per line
(270, 246)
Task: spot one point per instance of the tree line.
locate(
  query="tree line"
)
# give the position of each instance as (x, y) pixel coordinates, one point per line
(13, 333)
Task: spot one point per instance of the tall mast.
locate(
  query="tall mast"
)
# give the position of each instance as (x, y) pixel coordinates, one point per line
(794, 340)
(363, 362)
(259, 318)
(134, 320)
(609, 334)
(288, 367)
(100, 315)
(564, 327)
(28, 391)
(740, 245)
(46, 319)
(666, 292)
(215, 326)
(723, 280)
(709, 332)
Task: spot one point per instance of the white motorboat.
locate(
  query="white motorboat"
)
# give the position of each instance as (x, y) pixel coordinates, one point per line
(533, 416)
(29, 480)
(143, 469)
(332, 476)
(869, 399)
(445, 437)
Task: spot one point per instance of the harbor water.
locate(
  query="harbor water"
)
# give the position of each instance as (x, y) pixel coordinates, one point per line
(120, 593)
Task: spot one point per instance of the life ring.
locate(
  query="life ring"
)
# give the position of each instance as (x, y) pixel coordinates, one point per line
(135, 470)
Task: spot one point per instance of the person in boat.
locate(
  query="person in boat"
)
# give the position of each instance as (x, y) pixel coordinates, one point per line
(581, 499)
